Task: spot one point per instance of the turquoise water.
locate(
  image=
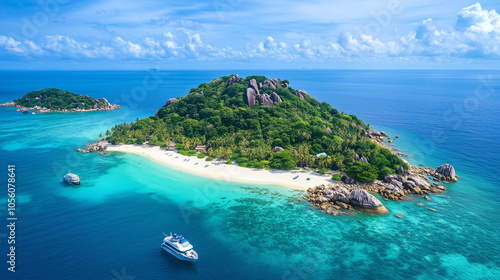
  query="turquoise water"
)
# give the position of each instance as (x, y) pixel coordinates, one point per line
(111, 226)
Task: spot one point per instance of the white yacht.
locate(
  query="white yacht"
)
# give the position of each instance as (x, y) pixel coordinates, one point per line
(179, 247)
(72, 179)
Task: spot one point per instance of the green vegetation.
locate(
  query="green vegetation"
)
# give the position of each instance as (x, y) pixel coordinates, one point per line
(201, 155)
(323, 170)
(229, 162)
(208, 159)
(188, 153)
(55, 99)
(337, 177)
(221, 119)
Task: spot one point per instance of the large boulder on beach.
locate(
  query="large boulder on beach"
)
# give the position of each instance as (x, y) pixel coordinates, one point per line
(446, 172)
(364, 201)
(347, 180)
(321, 199)
(251, 94)
(337, 196)
(329, 193)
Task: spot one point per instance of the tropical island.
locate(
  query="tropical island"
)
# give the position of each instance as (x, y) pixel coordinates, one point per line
(264, 124)
(56, 100)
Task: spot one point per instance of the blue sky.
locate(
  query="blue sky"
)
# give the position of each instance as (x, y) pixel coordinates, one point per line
(251, 34)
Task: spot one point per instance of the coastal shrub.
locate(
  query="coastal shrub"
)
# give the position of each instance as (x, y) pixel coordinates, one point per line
(283, 160)
(201, 155)
(337, 177)
(323, 170)
(178, 145)
(208, 159)
(229, 162)
(362, 172)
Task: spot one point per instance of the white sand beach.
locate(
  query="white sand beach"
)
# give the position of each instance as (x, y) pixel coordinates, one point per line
(219, 170)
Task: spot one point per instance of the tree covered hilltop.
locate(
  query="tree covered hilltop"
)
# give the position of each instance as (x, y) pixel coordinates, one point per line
(264, 123)
(56, 100)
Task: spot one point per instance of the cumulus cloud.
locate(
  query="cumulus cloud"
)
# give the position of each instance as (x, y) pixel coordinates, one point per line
(475, 19)
(20, 48)
(475, 34)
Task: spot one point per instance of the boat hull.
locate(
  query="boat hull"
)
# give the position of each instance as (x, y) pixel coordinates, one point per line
(178, 255)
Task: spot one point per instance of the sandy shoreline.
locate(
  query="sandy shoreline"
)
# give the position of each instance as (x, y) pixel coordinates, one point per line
(221, 171)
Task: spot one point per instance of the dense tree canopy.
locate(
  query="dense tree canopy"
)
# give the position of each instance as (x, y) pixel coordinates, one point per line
(218, 116)
(55, 99)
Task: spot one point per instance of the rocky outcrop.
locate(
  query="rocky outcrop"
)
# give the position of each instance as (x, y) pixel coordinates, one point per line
(265, 99)
(347, 180)
(390, 178)
(276, 98)
(233, 79)
(362, 159)
(364, 201)
(375, 133)
(366, 134)
(338, 201)
(170, 102)
(9, 104)
(446, 172)
(99, 146)
(251, 94)
(254, 86)
(300, 93)
(277, 149)
(402, 171)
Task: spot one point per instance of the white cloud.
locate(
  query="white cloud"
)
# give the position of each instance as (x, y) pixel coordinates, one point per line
(475, 19)
(20, 48)
(475, 34)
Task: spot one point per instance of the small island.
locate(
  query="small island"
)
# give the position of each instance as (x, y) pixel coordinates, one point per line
(56, 100)
(283, 136)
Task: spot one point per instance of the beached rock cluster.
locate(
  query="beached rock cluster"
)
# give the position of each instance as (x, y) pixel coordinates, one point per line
(338, 200)
(100, 146)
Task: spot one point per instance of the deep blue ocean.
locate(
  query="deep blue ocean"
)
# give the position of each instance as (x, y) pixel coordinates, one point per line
(111, 226)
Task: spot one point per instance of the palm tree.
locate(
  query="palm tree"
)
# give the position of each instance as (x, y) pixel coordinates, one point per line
(100, 135)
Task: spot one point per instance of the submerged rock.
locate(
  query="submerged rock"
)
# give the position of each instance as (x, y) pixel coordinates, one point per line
(364, 201)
